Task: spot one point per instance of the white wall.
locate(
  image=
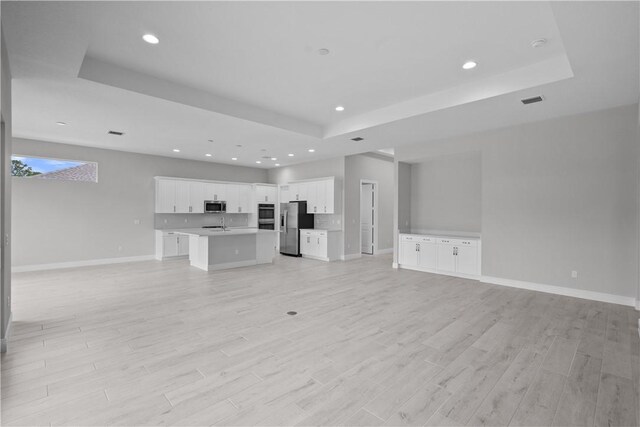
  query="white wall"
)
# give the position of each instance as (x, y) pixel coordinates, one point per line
(6, 238)
(359, 167)
(449, 195)
(557, 196)
(64, 221)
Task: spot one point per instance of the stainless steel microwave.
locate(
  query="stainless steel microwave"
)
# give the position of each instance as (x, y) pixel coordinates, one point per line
(215, 206)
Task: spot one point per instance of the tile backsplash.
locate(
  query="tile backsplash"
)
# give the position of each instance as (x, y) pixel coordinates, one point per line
(166, 221)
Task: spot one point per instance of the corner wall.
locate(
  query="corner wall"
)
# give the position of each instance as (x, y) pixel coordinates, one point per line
(85, 221)
(5, 200)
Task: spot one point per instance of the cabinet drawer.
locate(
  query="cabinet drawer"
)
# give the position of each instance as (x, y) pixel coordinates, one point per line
(408, 238)
(445, 241)
(426, 239)
(471, 243)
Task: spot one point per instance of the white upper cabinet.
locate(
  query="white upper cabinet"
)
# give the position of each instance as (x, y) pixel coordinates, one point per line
(183, 200)
(239, 198)
(266, 193)
(165, 196)
(216, 191)
(196, 197)
(321, 195)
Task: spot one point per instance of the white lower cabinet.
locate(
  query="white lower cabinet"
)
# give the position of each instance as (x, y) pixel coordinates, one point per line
(320, 244)
(170, 245)
(436, 254)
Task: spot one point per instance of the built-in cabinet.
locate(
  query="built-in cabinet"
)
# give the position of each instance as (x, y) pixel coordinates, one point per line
(187, 196)
(320, 244)
(171, 245)
(322, 195)
(266, 193)
(444, 255)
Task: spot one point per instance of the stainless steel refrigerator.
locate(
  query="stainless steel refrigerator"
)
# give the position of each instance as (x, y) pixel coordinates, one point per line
(293, 218)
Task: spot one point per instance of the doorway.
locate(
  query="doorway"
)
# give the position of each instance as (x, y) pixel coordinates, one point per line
(368, 216)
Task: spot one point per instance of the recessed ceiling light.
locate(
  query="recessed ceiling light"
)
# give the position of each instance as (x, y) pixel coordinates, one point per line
(208, 155)
(469, 65)
(277, 164)
(311, 150)
(339, 108)
(234, 158)
(258, 161)
(274, 159)
(290, 154)
(61, 123)
(323, 51)
(538, 43)
(151, 39)
(175, 150)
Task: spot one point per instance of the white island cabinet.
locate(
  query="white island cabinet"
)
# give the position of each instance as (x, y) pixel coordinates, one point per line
(211, 249)
(453, 256)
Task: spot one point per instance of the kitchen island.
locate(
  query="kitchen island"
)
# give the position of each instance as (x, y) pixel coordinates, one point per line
(215, 249)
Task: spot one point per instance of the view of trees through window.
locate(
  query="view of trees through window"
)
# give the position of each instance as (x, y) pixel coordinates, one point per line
(45, 168)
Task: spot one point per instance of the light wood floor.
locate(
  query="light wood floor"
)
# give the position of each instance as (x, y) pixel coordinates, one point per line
(161, 343)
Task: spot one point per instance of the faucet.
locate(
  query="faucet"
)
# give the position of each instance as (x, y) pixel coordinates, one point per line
(222, 222)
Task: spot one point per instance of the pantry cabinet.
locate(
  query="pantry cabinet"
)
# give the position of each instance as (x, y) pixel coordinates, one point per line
(437, 254)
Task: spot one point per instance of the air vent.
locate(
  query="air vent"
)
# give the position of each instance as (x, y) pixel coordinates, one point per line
(357, 139)
(266, 157)
(115, 132)
(532, 100)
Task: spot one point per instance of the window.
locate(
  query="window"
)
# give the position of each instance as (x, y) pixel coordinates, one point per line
(44, 168)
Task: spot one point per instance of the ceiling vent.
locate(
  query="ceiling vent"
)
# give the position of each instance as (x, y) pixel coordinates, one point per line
(115, 132)
(532, 100)
(357, 139)
(266, 157)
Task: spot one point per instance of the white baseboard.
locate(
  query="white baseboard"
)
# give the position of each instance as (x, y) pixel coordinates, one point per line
(384, 251)
(237, 264)
(394, 265)
(561, 290)
(4, 342)
(350, 257)
(317, 258)
(86, 263)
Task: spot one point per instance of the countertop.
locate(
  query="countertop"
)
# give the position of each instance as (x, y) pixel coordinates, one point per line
(217, 232)
(319, 229)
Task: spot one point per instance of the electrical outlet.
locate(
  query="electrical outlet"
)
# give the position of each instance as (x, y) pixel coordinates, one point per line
(186, 220)
(574, 274)
(119, 248)
(136, 221)
(165, 221)
(237, 251)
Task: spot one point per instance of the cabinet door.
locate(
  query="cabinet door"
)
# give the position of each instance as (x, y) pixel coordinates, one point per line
(183, 245)
(467, 260)
(408, 253)
(311, 194)
(169, 245)
(182, 197)
(307, 246)
(272, 194)
(321, 196)
(321, 241)
(294, 192)
(446, 260)
(196, 197)
(329, 196)
(244, 196)
(261, 194)
(221, 190)
(427, 255)
(233, 198)
(208, 191)
(302, 191)
(166, 196)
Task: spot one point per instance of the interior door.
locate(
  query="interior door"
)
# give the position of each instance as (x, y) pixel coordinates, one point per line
(366, 218)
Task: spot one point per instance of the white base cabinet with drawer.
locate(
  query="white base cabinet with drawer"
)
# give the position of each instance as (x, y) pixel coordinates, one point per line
(323, 245)
(171, 245)
(442, 255)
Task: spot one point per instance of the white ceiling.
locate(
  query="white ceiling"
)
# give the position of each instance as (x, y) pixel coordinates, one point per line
(249, 73)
